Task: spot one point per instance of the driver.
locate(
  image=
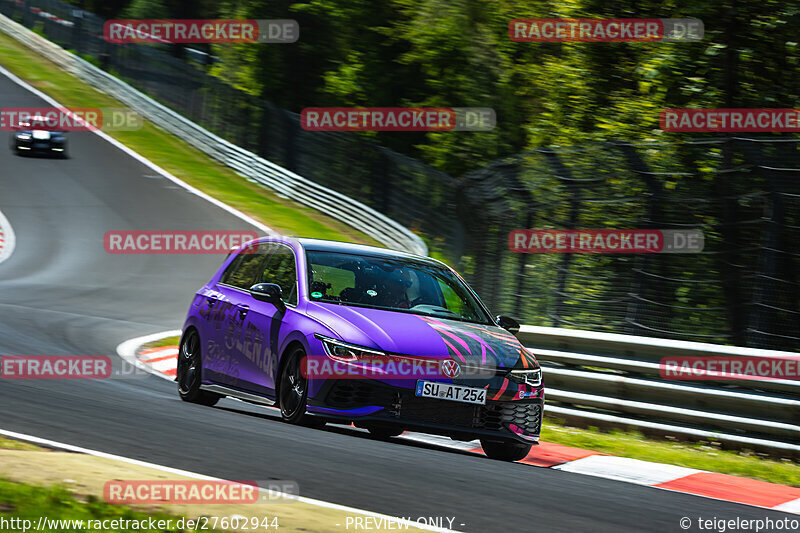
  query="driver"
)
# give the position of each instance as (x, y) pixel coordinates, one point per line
(397, 289)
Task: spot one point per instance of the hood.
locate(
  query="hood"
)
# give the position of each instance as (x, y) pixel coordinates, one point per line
(410, 334)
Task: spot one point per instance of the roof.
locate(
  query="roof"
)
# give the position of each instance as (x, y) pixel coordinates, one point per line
(319, 245)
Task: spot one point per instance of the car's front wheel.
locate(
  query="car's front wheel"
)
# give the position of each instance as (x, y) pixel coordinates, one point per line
(505, 450)
(293, 391)
(190, 370)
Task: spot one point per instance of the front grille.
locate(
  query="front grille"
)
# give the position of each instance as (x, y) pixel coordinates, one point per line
(526, 416)
(415, 409)
(352, 393)
(404, 405)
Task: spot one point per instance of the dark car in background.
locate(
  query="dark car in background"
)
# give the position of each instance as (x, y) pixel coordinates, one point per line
(32, 138)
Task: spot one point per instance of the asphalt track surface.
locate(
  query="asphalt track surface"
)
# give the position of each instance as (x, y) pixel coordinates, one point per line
(62, 294)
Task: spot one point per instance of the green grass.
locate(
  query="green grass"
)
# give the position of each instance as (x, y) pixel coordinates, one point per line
(177, 157)
(167, 341)
(8, 444)
(29, 502)
(702, 456)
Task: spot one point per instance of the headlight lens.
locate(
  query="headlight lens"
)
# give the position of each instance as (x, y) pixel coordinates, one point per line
(346, 352)
(532, 375)
(528, 377)
(23, 136)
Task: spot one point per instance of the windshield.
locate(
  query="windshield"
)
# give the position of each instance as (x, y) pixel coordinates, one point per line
(394, 284)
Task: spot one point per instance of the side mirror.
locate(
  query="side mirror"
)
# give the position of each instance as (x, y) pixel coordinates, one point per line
(506, 322)
(268, 292)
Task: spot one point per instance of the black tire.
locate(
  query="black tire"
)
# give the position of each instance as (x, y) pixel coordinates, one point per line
(384, 432)
(190, 372)
(293, 391)
(506, 450)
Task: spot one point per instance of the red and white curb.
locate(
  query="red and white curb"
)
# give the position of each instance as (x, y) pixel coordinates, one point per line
(163, 361)
(7, 238)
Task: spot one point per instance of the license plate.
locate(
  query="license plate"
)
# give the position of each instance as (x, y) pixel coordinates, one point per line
(455, 393)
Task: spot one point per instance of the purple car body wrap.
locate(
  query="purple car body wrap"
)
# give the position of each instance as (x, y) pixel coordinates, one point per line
(244, 342)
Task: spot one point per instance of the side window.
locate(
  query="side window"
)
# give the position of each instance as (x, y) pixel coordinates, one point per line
(242, 271)
(330, 282)
(282, 271)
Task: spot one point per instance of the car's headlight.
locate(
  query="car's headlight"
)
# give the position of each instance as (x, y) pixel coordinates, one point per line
(23, 136)
(344, 351)
(532, 375)
(528, 377)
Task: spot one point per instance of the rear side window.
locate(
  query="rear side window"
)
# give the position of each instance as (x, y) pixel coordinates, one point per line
(281, 270)
(243, 271)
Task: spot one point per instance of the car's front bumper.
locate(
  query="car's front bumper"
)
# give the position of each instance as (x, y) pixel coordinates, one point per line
(369, 401)
(42, 147)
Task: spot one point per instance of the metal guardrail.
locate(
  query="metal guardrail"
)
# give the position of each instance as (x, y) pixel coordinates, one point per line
(615, 379)
(256, 169)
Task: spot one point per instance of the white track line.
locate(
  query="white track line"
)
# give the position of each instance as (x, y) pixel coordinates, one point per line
(194, 475)
(143, 160)
(9, 239)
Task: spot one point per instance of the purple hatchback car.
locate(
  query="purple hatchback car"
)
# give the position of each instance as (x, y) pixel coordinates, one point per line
(404, 342)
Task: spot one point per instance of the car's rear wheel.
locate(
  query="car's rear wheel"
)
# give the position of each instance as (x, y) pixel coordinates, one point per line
(293, 391)
(190, 372)
(505, 450)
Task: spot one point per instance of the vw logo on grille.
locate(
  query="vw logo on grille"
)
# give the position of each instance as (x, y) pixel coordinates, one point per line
(450, 369)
